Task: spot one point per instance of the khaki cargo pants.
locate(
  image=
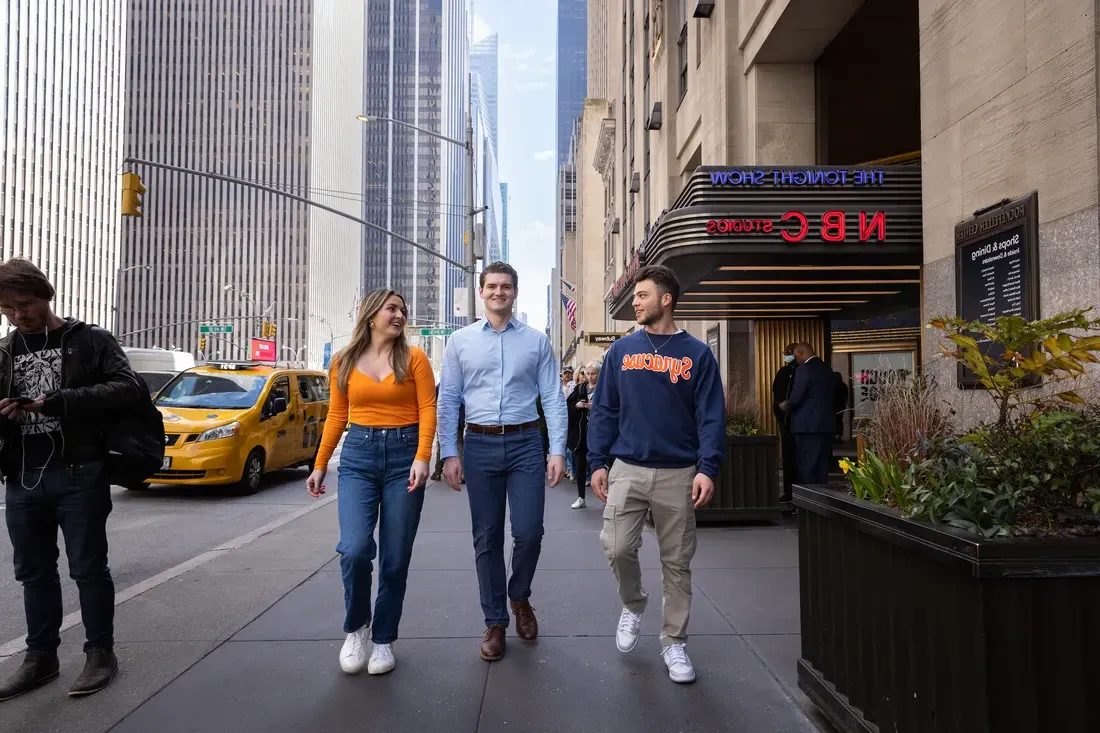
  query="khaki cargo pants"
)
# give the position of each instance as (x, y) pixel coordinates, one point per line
(666, 492)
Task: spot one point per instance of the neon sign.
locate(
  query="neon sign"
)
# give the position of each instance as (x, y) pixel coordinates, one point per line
(794, 226)
(798, 177)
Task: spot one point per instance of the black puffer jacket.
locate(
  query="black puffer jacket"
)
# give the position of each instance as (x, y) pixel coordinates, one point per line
(96, 382)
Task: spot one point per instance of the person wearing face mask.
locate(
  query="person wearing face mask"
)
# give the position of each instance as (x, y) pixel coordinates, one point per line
(781, 392)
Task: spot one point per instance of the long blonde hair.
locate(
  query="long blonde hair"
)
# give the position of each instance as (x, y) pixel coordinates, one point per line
(346, 359)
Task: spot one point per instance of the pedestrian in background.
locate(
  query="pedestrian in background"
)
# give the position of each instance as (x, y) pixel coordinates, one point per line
(782, 385)
(659, 413)
(386, 390)
(813, 415)
(500, 368)
(64, 382)
(568, 384)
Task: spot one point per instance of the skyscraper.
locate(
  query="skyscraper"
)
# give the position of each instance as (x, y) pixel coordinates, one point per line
(404, 66)
(227, 90)
(572, 52)
(455, 109)
(61, 117)
(505, 249)
(487, 186)
(484, 61)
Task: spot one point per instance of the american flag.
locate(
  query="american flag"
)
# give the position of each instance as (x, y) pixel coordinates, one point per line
(570, 309)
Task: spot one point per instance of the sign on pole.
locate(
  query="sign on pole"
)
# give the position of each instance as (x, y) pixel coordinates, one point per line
(328, 355)
(215, 328)
(436, 331)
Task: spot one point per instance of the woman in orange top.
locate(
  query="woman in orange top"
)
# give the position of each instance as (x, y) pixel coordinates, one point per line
(387, 391)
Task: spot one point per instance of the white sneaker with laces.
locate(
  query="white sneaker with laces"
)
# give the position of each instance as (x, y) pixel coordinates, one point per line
(679, 666)
(579, 503)
(381, 659)
(630, 627)
(353, 655)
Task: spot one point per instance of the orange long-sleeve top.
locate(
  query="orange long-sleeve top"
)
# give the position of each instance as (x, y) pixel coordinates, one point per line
(384, 404)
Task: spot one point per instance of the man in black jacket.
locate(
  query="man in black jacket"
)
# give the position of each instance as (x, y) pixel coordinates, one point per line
(61, 381)
(813, 415)
(782, 386)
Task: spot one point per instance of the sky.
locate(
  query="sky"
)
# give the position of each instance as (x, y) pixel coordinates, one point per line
(527, 126)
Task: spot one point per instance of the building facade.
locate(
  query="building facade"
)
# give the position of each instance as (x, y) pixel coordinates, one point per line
(572, 74)
(487, 191)
(506, 253)
(63, 64)
(225, 92)
(485, 62)
(737, 149)
(455, 109)
(402, 166)
(336, 168)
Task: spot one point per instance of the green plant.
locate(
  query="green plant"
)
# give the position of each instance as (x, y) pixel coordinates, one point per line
(1014, 354)
(873, 479)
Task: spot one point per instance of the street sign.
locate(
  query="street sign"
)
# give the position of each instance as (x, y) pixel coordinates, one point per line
(263, 350)
(215, 328)
(328, 355)
(436, 331)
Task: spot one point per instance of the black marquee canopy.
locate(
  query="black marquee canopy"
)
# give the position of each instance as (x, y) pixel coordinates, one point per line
(789, 242)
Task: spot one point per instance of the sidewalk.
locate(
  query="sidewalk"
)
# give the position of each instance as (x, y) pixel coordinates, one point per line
(249, 642)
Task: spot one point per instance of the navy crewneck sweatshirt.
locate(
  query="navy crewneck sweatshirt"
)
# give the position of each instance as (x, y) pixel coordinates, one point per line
(659, 410)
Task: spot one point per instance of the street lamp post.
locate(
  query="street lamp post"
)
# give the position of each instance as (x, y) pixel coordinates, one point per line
(118, 288)
(471, 210)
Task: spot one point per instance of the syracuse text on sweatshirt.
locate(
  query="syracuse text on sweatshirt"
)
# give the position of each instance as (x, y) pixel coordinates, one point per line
(659, 410)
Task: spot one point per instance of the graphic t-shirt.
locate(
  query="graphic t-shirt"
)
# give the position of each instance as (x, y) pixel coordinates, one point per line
(37, 372)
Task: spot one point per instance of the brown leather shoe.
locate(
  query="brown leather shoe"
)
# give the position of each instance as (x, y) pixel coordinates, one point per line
(492, 644)
(527, 626)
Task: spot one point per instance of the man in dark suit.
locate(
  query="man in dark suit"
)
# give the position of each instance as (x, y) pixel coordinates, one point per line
(782, 386)
(813, 415)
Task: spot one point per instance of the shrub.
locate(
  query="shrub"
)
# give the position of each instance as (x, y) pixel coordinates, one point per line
(741, 415)
(908, 414)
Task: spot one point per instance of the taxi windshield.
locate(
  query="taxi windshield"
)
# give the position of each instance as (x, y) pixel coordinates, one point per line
(216, 391)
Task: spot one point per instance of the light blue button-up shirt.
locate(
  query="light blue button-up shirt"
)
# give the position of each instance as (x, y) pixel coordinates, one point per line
(498, 376)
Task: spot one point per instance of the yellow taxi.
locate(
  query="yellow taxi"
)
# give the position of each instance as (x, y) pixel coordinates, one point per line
(231, 423)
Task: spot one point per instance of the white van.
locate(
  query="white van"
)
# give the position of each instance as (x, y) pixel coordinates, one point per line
(157, 366)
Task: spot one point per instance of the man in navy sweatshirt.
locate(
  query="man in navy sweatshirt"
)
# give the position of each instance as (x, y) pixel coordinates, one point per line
(659, 415)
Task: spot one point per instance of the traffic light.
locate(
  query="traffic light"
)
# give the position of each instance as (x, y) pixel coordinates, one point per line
(202, 344)
(267, 330)
(132, 191)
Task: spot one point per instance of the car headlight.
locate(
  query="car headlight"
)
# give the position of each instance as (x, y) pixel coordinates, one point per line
(225, 431)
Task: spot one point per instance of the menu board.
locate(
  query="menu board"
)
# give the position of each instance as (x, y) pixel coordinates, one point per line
(997, 268)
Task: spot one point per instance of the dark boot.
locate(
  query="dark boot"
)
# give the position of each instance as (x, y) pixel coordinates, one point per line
(99, 670)
(492, 644)
(37, 669)
(527, 626)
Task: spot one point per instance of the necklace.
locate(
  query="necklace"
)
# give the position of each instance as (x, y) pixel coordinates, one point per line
(657, 348)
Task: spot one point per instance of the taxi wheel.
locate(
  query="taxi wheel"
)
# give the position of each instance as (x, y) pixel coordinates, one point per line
(253, 472)
(137, 487)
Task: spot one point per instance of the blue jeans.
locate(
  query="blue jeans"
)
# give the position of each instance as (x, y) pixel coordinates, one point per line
(374, 479)
(76, 499)
(505, 468)
(569, 460)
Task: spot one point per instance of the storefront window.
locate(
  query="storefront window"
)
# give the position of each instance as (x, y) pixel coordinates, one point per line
(872, 369)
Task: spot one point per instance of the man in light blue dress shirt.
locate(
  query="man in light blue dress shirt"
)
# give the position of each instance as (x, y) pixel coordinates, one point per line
(497, 368)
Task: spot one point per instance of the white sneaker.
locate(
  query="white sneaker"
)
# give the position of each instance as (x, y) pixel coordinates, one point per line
(381, 659)
(579, 503)
(353, 656)
(679, 666)
(630, 627)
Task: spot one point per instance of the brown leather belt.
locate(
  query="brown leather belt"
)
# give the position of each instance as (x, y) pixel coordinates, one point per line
(499, 429)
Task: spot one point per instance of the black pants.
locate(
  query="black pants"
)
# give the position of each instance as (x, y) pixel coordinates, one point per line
(580, 466)
(76, 499)
(790, 462)
(815, 451)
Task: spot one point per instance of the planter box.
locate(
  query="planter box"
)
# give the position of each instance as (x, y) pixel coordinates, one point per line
(910, 627)
(748, 482)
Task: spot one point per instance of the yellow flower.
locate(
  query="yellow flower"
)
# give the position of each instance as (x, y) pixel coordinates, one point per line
(846, 465)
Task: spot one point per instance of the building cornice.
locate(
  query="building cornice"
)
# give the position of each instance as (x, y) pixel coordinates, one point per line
(605, 147)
